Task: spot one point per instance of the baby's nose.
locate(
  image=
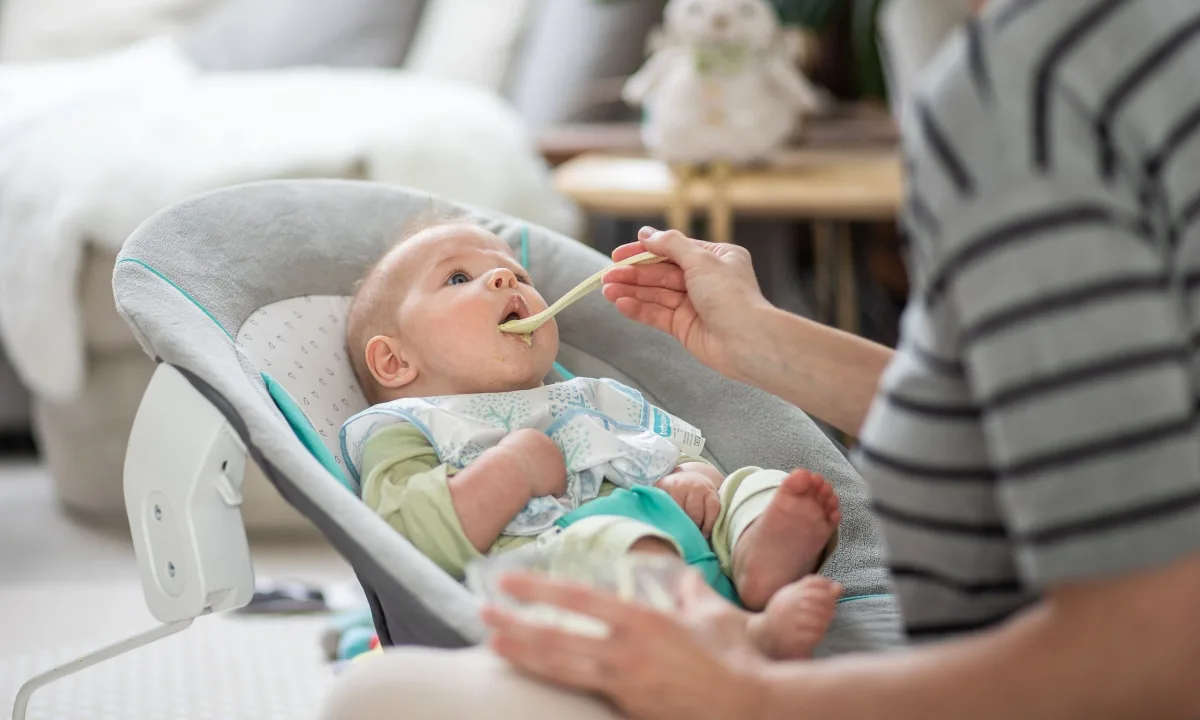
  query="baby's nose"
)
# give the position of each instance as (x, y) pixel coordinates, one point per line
(502, 278)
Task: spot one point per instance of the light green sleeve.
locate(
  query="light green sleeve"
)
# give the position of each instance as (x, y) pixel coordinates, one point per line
(406, 485)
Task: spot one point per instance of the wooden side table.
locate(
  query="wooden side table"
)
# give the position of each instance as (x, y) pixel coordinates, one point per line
(830, 187)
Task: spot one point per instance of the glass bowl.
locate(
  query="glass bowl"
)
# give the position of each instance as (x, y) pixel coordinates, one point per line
(648, 579)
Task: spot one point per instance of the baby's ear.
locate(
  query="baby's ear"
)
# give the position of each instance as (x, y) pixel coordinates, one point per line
(387, 363)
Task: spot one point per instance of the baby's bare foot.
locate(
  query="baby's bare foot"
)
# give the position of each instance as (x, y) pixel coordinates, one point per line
(796, 618)
(784, 544)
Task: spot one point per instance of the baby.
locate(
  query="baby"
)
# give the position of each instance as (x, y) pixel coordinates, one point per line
(466, 452)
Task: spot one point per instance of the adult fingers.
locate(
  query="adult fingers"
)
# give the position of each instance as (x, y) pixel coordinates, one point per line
(693, 589)
(518, 631)
(580, 672)
(530, 588)
(697, 598)
(664, 274)
(677, 247)
(628, 250)
(652, 314)
(671, 244)
(634, 248)
(656, 295)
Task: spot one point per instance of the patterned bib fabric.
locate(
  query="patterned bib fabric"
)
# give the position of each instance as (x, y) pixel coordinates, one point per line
(604, 429)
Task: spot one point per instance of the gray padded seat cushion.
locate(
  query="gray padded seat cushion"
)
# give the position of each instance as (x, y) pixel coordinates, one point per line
(236, 250)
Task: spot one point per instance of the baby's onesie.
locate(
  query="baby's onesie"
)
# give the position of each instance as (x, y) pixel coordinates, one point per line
(393, 452)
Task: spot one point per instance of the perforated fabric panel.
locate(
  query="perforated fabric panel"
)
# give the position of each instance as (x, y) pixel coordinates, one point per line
(301, 343)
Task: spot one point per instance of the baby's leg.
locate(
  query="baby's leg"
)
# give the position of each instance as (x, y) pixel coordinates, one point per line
(779, 529)
(796, 618)
(654, 546)
(611, 535)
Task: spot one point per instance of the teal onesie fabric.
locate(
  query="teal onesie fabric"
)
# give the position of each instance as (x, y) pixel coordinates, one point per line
(655, 507)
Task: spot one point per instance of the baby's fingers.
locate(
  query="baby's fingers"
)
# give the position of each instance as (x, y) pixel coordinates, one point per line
(693, 505)
(712, 510)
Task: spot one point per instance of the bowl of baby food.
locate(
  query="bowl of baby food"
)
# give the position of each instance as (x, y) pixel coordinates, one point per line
(648, 579)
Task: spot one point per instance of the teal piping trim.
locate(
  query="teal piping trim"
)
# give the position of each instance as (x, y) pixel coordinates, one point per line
(296, 419)
(564, 373)
(524, 247)
(852, 598)
(183, 292)
(304, 430)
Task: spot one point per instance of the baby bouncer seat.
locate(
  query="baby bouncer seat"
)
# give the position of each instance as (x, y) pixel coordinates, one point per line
(240, 296)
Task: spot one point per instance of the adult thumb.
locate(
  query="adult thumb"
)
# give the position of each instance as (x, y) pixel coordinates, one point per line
(694, 591)
(675, 246)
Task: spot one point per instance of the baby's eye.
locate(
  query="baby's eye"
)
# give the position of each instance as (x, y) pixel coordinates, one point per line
(458, 278)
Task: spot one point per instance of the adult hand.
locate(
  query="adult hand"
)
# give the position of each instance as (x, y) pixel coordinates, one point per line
(703, 297)
(695, 664)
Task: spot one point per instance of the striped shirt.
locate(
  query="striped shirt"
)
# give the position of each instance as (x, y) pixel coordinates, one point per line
(1038, 424)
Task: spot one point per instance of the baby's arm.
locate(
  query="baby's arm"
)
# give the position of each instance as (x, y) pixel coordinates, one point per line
(407, 484)
(488, 493)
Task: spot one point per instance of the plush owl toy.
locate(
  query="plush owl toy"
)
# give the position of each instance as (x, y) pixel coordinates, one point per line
(720, 89)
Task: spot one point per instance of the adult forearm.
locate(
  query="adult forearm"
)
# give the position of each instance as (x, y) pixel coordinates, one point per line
(1117, 652)
(489, 493)
(828, 373)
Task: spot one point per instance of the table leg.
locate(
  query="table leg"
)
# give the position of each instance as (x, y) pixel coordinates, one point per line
(839, 264)
(847, 282)
(824, 267)
(720, 212)
(587, 230)
(679, 212)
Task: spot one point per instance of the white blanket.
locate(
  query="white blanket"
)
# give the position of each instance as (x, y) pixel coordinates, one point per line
(90, 149)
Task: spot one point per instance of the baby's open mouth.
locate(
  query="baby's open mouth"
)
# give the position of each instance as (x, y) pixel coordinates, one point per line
(517, 309)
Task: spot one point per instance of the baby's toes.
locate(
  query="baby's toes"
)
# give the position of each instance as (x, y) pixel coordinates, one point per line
(800, 482)
(831, 506)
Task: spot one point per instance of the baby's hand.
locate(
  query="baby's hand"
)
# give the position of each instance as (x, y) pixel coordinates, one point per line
(541, 461)
(694, 492)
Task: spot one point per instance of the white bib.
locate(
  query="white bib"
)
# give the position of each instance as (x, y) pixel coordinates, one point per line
(604, 429)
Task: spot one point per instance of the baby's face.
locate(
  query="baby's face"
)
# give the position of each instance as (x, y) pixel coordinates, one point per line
(460, 283)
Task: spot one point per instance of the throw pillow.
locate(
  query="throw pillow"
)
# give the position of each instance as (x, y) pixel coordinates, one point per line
(270, 34)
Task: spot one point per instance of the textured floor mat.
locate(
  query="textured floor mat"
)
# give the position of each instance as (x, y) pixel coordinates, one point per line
(222, 668)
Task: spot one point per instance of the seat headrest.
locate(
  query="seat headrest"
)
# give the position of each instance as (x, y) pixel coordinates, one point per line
(301, 343)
